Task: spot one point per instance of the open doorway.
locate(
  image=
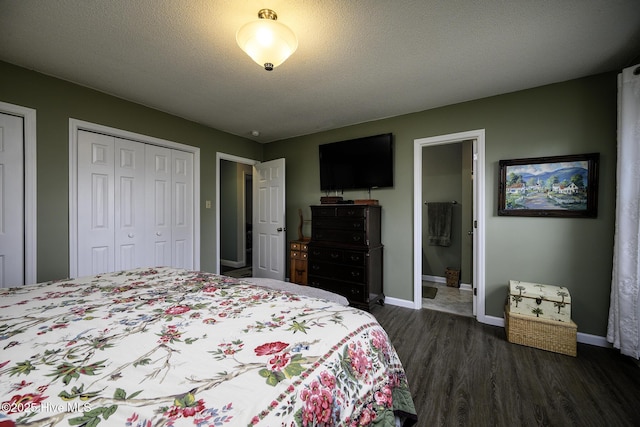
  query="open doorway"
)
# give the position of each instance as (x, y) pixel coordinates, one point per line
(447, 224)
(473, 234)
(234, 213)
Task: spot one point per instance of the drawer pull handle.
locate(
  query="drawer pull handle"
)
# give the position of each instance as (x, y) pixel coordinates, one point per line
(335, 255)
(315, 267)
(356, 238)
(355, 274)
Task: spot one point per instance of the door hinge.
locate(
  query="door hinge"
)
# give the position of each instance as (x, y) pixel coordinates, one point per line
(475, 223)
(475, 292)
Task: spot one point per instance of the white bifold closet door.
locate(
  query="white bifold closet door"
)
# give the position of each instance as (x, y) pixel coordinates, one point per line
(169, 200)
(135, 205)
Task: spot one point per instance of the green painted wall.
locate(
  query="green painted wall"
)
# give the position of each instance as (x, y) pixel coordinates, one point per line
(55, 101)
(577, 116)
(573, 117)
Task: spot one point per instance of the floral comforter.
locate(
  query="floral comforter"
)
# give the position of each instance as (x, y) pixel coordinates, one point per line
(169, 347)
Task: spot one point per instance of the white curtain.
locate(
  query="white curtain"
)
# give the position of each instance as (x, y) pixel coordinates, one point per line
(624, 312)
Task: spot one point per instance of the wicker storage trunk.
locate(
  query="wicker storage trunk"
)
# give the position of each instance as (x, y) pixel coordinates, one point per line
(545, 334)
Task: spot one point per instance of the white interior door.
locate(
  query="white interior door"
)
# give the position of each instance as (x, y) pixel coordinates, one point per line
(96, 253)
(182, 202)
(11, 201)
(158, 202)
(269, 219)
(129, 221)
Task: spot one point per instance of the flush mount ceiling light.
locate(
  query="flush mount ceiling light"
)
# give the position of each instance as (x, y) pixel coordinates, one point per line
(268, 42)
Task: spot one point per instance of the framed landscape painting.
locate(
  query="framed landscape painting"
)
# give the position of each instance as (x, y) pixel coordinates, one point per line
(559, 186)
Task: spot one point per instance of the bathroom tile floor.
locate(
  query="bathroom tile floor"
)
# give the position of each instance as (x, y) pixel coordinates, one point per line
(451, 300)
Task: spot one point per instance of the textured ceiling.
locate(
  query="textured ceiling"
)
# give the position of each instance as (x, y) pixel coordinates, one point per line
(356, 61)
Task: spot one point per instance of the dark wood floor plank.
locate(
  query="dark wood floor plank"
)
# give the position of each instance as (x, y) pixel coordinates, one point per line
(463, 373)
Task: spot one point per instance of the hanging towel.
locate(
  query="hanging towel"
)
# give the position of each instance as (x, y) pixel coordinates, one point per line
(439, 221)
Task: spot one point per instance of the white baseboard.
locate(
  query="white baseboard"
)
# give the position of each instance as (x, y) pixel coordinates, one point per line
(234, 264)
(398, 302)
(499, 321)
(581, 338)
(438, 279)
(593, 340)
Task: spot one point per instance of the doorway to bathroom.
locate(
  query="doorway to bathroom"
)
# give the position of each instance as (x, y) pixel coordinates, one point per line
(234, 209)
(449, 190)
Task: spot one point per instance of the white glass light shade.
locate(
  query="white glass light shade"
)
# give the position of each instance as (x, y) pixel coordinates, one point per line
(268, 42)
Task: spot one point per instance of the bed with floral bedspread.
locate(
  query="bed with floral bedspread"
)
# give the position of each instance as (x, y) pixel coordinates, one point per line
(171, 347)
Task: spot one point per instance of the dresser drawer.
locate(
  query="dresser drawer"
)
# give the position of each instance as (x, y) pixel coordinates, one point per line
(339, 236)
(351, 211)
(354, 258)
(355, 224)
(299, 255)
(341, 211)
(320, 253)
(323, 211)
(349, 273)
(338, 255)
(297, 246)
(355, 293)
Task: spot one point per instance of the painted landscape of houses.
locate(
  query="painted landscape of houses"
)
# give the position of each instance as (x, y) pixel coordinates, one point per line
(544, 185)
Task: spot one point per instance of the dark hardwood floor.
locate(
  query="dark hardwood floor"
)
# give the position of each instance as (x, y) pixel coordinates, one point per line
(463, 373)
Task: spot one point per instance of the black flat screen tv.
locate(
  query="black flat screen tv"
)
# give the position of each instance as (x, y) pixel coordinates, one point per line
(361, 163)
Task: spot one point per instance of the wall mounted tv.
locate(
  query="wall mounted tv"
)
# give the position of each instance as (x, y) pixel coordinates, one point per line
(361, 163)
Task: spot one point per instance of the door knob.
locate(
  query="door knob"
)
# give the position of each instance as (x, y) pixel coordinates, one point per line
(130, 235)
(470, 233)
(158, 233)
(280, 229)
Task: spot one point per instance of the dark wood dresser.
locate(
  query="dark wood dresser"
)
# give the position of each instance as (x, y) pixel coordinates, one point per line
(345, 252)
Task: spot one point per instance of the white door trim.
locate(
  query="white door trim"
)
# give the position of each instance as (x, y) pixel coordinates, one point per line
(479, 214)
(30, 188)
(74, 126)
(231, 158)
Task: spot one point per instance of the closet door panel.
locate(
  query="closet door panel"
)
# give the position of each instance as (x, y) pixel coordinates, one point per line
(12, 225)
(129, 204)
(158, 205)
(182, 201)
(95, 203)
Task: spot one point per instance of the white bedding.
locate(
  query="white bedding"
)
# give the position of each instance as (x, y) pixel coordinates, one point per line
(309, 291)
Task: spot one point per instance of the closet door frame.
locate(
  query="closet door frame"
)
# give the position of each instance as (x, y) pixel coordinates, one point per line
(76, 125)
(30, 188)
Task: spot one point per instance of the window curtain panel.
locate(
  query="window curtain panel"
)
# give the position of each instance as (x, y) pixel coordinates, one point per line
(624, 312)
